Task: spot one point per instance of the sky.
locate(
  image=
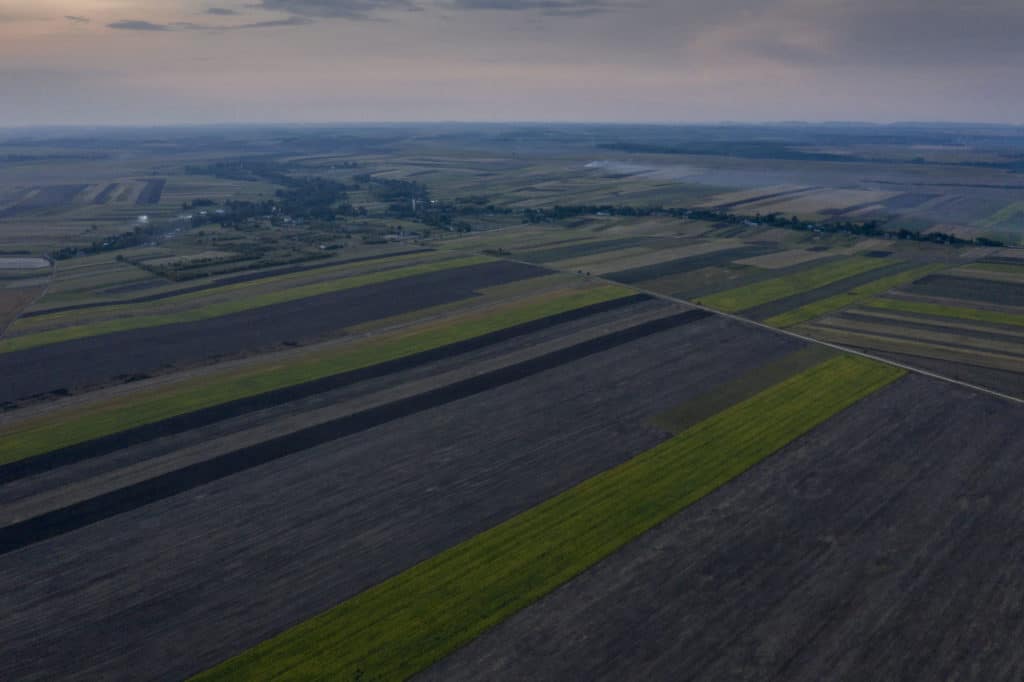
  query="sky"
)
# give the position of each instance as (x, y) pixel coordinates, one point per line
(155, 62)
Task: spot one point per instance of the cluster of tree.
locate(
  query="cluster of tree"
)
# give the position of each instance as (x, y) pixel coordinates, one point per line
(140, 235)
(315, 198)
(869, 228)
(544, 215)
(247, 169)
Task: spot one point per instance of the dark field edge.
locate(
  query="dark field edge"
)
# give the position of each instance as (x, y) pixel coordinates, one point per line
(192, 420)
(237, 279)
(895, 335)
(969, 289)
(687, 264)
(763, 197)
(686, 415)
(151, 193)
(104, 196)
(88, 512)
(785, 305)
(928, 324)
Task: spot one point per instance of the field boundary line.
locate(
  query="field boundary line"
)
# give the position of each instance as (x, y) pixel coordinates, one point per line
(21, 313)
(839, 347)
(809, 339)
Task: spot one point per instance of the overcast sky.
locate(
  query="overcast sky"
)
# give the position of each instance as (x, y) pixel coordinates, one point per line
(191, 61)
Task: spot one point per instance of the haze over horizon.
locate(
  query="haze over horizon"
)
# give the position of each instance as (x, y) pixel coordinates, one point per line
(142, 62)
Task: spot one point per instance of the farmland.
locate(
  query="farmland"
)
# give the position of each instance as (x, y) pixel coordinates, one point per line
(511, 402)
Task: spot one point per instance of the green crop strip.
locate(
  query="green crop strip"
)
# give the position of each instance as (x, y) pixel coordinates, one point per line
(753, 295)
(228, 307)
(406, 623)
(938, 310)
(1011, 268)
(64, 429)
(852, 297)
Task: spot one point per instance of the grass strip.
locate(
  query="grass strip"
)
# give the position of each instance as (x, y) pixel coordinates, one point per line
(59, 430)
(1011, 268)
(753, 295)
(406, 623)
(939, 310)
(228, 307)
(852, 297)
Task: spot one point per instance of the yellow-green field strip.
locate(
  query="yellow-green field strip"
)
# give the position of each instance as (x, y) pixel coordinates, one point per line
(406, 623)
(61, 429)
(228, 307)
(753, 295)
(939, 310)
(852, 297)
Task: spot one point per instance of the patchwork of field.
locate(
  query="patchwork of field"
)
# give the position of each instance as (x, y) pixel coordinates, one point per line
(418, 458)
(397, 403)
(823, 562)
(47, 363)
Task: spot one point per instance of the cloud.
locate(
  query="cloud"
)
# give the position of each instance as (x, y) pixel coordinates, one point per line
(138, 25)
(76, 20)
(221, 12)
(548, 7)
(335, 9)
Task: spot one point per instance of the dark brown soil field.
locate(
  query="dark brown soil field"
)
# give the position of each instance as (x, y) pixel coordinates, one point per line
(689, 264)
(226, 411)
(53, 196)
(373, 388)
(223, 281)
(170, 588)
(105, 194)
(64, 519)
(1010, 383)
(151, 193)
(584, 249)
(13, 301)
(970, 289)
(773, 308)
(762, 197)
(97, 360)
(882, 546)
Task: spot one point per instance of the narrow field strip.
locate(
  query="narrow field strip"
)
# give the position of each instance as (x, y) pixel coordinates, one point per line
(405, 624)
(853, 297)
(916, 347)
(752, 295)
(219, 283)
(228, 307)
(88, 512)
(56, 440)
(938, 310)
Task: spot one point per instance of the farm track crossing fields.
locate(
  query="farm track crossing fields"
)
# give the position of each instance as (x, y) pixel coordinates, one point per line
(853, 297)
(822, 563)
(339, 518)
(85, 426)
(99, 359)
(744, 298)
(405, 624)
